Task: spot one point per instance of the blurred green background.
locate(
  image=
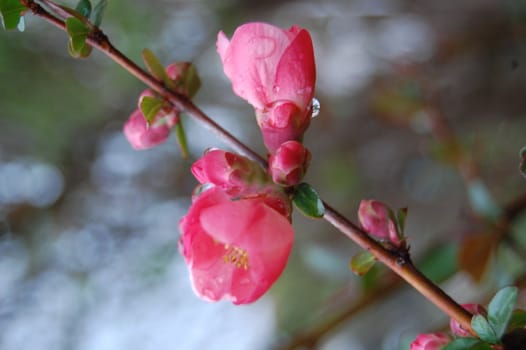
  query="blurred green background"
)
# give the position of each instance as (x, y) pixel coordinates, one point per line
(422, 106)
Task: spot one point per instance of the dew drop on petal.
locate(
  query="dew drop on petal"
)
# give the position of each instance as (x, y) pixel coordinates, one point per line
(315, 104)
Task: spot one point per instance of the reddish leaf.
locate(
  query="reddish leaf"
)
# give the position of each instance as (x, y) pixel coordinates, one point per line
(475, 254)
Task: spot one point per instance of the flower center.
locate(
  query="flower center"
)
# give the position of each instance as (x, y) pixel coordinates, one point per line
(236, 256)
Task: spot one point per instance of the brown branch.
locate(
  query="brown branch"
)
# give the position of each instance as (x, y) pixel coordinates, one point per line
(399, 264)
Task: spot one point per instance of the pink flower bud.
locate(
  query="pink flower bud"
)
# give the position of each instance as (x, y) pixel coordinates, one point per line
(143, 136)
(289, 164)
(234, 249)
(273, 70)
(228, 170)
(165, 116)
(430, 341)
(475, 309)
(177, 69)
(374, 216)
(140, 135)
(282, 122)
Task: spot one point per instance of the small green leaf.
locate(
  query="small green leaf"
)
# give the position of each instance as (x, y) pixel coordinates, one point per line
(191, 81)
(11, 12)
(156, 68)
(308, 202)
(150, 106)
(98, 12)
(84, 8)
(83, 53)
(78, 33)
(401, 215)
(181, 138)
(484, 329)
(463, 344)
(517, 320)
(362, 262)
(500, 309)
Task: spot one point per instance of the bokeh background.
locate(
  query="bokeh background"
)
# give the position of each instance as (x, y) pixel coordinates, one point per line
(422, 106)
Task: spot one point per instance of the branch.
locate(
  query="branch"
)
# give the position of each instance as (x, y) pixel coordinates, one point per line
(400, 264)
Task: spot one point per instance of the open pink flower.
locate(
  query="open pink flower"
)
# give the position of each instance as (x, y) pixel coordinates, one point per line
(430, 341)
(273, 70)
(235, 249)
(374, 217)
(289, 164)
(457, 329)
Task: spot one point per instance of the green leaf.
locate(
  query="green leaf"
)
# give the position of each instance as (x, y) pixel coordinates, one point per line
(156, 68)
(484, 329)
(517, 320)
(440, 263)
(84, 8)
(181, 138)
(307, 201)
(482, 201)
(83, 53)
(191, 81)
(78, 33)
(150, 106)
(98, 12)
(362, 262)
(465, 344)
(500, 309)
(11, 12)
(401, 215)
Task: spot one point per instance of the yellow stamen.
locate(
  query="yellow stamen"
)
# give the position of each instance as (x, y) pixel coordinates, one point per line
(237, 256)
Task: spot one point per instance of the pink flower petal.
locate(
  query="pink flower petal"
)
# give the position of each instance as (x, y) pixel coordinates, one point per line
(235, 249)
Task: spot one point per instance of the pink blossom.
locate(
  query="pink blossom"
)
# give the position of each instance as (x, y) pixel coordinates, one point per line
(235, 249)
(289, 164)
(457, 329)
(176, 70)
(430, 341)
(143, 136)
(375, 218)
(140, 135)
(228, 170)
(273, 70)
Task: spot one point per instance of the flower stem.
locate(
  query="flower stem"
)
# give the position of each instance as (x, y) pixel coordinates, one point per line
(397, 263)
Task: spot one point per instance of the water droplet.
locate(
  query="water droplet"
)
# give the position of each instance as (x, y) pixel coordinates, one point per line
(276, 89)
(315, 106)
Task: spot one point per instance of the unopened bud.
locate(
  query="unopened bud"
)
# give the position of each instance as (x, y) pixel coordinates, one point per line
(377, 219)
(475, 309)
(289, 164)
